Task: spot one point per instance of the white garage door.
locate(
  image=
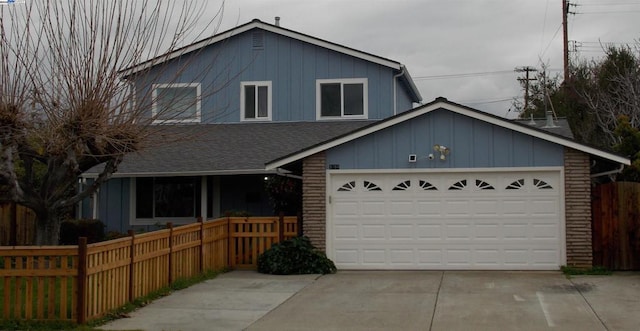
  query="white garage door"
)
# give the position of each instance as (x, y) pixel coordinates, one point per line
(451, 220)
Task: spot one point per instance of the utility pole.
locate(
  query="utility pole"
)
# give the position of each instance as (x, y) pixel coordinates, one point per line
(526, 80)
(565, 40)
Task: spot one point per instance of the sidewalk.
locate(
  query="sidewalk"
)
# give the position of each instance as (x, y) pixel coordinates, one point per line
(231, 301)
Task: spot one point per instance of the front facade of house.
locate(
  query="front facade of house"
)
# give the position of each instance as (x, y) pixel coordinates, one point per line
(384, 186)
(246, 96)
(448, 187)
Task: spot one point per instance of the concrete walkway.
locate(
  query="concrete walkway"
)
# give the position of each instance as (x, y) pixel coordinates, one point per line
(398, 300)
(231, 301)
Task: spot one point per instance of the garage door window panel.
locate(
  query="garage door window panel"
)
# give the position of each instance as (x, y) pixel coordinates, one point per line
(370, 186)
(516, 185)
(402, 186)
(460, 185)
(482, 185)
(539, 183)
(427, 186)
(347, 187)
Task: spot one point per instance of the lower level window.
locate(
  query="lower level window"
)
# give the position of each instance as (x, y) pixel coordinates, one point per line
(161, 197)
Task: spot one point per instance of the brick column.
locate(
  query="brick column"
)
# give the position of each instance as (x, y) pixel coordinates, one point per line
(577, 186)
(314, 208)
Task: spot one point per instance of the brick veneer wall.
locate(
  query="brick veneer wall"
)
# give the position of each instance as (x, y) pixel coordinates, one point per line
(314, 212)
(577, 185)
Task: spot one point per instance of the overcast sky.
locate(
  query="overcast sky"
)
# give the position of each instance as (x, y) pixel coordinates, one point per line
(474, 44)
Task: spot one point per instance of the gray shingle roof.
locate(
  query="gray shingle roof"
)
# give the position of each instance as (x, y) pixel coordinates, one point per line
(561, 127)
(232, 148)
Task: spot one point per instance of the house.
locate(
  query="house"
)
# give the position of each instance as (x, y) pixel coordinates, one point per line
(270, 92)
(385, 185)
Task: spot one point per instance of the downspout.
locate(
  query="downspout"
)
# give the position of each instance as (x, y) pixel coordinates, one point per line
(608, 173)
(395, 89)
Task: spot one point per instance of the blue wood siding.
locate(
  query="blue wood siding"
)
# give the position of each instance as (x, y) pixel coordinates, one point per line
(291, 65)
(114, 204)
(473, 144)
(403, 100)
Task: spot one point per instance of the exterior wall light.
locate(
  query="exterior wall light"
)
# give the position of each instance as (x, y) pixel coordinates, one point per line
(443, 150)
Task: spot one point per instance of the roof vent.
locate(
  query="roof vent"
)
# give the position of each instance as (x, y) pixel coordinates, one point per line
(258, 39)
(550, 123)
(277, 20)
(532, 121)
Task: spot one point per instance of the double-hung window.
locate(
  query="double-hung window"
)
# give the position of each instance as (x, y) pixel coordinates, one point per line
(255, 101)
(343, 98)
(176, 103)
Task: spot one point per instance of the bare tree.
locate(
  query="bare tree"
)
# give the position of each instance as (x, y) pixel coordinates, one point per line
(64, 107)
(611, 89)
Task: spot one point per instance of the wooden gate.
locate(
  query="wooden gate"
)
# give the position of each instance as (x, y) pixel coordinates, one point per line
(616, 225)
(17, 225)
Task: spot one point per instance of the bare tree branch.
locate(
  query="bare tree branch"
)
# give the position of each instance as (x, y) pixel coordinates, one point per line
(64, 106)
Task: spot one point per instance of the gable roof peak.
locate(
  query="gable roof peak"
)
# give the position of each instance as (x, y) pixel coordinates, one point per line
(277, 29)
(443, 103)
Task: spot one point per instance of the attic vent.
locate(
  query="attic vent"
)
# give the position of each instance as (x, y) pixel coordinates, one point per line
(258, 40)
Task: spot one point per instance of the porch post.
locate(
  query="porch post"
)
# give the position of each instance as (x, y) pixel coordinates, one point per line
(215, 182)
(203, 197)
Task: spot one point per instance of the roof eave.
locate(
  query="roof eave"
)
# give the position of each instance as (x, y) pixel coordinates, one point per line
(186, 173)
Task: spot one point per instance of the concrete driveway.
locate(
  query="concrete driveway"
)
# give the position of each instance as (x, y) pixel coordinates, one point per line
(398, 300)
(468, 300)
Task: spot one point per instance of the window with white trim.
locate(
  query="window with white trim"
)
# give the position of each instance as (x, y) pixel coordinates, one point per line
(341, 98)
(176, 103)
(166, 197)
(255, 101)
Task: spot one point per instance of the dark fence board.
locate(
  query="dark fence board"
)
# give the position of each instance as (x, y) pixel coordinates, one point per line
(616, 225)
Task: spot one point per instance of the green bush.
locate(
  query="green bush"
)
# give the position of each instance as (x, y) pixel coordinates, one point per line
(71, 230)
(294, 256)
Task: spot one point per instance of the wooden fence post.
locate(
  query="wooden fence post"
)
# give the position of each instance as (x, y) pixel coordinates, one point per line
(229, 252)
(170, 226)
(131, 265)
(13, 224)
(281, 227)
(82, 280)
(201, 257)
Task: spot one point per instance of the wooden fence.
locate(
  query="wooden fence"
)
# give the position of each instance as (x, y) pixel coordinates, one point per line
(84, 282)
(616, 225)
(17, 225)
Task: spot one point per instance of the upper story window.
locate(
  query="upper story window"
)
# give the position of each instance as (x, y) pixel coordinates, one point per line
(176, 103)
(255, 101)
(341, 98)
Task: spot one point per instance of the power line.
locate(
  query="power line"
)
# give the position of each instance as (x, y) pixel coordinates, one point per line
(551, 41)
(463, 75)
(544, 27)
(486, 101)
(608, 12)
(609, 4)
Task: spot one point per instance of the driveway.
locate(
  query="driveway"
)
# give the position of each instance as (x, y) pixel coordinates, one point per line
(466, 300)
(392, 300)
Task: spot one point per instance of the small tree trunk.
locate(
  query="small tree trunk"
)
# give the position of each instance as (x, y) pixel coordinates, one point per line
(48, 229)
